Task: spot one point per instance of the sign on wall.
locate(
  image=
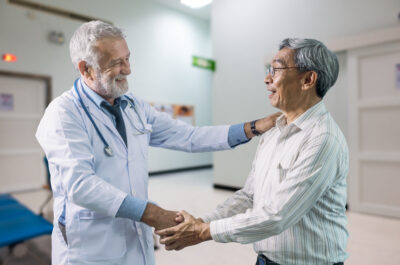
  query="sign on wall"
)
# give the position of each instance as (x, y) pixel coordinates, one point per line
(6, 102)
(203, 63)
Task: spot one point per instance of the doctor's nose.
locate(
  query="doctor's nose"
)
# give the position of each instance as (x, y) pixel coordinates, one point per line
(126, 68)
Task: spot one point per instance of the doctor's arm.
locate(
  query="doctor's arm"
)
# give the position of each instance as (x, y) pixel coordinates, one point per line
(147, 212)
(63, 137)
(177, 135)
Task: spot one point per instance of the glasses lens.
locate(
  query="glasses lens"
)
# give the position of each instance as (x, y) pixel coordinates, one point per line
(270, 70)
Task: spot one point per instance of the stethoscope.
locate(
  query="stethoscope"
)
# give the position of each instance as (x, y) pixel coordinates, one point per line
(107, 149)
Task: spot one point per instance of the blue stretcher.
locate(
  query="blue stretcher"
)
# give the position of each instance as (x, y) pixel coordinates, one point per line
(18, 223)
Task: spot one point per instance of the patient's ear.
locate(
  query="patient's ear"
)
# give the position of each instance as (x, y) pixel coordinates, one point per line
(309, 80)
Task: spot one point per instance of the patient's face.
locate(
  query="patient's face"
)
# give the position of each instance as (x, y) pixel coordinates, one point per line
(285, 85)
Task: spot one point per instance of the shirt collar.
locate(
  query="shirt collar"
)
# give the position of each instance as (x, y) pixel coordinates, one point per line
(97, 99)
(306, 119)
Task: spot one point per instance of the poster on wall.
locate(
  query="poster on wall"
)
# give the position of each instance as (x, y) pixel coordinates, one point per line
(6, 102)
(398, 76)
(184, 113)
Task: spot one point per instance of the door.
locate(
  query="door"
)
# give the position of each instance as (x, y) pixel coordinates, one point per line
(22, 103)
(374, 129)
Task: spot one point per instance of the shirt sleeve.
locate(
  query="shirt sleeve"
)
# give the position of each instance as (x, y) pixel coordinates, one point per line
(239, 202)
(237, 135)
(311, 175)
(132, 208)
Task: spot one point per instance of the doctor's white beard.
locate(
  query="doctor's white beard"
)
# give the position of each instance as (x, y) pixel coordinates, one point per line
(108, 87)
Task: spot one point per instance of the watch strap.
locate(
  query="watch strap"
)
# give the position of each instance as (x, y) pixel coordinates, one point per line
(253, 128)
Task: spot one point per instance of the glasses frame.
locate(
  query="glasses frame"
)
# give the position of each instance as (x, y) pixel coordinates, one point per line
(271, 70)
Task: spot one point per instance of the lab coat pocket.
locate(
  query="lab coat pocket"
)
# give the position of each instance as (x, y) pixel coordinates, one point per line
(102, 237)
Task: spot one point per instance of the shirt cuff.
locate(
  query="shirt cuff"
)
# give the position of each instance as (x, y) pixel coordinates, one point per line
(132, 208)
(219, 231)
(236, 135)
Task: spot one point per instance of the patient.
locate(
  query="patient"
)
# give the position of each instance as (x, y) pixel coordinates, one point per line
(292, 207)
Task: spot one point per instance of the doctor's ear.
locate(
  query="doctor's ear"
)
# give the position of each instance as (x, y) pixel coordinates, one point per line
(85, 69)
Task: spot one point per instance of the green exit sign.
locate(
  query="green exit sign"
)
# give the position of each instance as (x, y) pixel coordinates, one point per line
(203, 63)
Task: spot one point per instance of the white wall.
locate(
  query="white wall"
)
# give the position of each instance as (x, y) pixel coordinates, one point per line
(246, 34)
(161, 40)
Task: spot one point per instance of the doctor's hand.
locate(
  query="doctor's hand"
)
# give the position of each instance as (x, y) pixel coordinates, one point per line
(190, 232)
(262, 125)
(160, 218)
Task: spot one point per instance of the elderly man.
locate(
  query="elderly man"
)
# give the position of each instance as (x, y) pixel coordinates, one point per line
(96, 139)
(292, 207)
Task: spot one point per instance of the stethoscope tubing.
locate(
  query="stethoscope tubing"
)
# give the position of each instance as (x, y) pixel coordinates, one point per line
(107, 148)
(91, 119)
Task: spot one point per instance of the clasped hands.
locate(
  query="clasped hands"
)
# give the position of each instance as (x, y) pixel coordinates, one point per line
(188, 231)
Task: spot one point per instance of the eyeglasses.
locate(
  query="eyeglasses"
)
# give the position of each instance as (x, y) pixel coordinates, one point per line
(271, 70)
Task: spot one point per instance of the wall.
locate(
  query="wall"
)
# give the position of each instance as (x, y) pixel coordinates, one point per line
(161, 40)
(246, 35)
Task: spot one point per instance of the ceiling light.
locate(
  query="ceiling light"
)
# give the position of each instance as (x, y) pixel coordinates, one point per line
(195, 3)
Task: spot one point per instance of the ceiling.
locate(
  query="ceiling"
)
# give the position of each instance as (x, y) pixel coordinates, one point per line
(204, 12)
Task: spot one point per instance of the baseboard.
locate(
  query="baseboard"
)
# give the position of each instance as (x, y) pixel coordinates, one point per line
(226, 187)
(161, 172)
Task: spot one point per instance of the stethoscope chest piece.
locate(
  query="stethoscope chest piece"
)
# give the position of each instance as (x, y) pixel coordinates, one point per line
(108, 151)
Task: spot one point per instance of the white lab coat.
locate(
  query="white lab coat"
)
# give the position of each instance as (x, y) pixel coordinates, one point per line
(91, 186)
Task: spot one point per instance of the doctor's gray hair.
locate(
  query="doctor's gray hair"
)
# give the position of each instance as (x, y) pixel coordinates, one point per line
(82, 44)
(313, 55)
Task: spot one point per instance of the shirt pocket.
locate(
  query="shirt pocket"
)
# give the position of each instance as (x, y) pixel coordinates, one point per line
(284, 166)
(101, 237)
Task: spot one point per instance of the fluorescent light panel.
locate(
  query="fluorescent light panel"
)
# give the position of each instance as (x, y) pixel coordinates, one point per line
(196, 3)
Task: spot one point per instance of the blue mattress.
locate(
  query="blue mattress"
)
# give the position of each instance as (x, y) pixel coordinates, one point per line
(18, 223)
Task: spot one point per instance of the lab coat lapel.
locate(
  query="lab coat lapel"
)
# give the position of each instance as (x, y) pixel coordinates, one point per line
(100, 117)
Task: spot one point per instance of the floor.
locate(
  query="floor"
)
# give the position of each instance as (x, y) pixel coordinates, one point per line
(373, 239)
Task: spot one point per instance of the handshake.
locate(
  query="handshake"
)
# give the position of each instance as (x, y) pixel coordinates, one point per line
(177, 230)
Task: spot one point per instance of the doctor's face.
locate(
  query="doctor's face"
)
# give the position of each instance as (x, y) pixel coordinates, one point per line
(114, 67)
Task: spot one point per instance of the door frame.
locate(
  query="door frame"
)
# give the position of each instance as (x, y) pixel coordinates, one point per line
(45, 78)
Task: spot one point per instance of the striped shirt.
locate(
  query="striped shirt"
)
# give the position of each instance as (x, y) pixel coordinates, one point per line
(292, 207)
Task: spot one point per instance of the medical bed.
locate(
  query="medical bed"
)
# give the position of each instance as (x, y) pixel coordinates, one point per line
(18, 223)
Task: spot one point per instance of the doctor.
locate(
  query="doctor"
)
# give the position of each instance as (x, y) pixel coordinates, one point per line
(96, 138)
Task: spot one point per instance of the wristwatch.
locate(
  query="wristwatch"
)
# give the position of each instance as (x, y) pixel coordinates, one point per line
(253, 128)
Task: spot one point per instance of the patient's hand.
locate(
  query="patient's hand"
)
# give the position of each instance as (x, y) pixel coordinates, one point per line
(190, 232)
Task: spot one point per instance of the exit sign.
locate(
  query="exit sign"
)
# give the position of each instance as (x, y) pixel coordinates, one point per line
(203, 63)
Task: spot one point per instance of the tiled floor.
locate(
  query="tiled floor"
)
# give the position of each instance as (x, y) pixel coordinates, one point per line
(373, 240)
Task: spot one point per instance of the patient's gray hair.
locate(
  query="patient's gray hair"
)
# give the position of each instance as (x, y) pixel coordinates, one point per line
(82, 43)
(313, 55)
